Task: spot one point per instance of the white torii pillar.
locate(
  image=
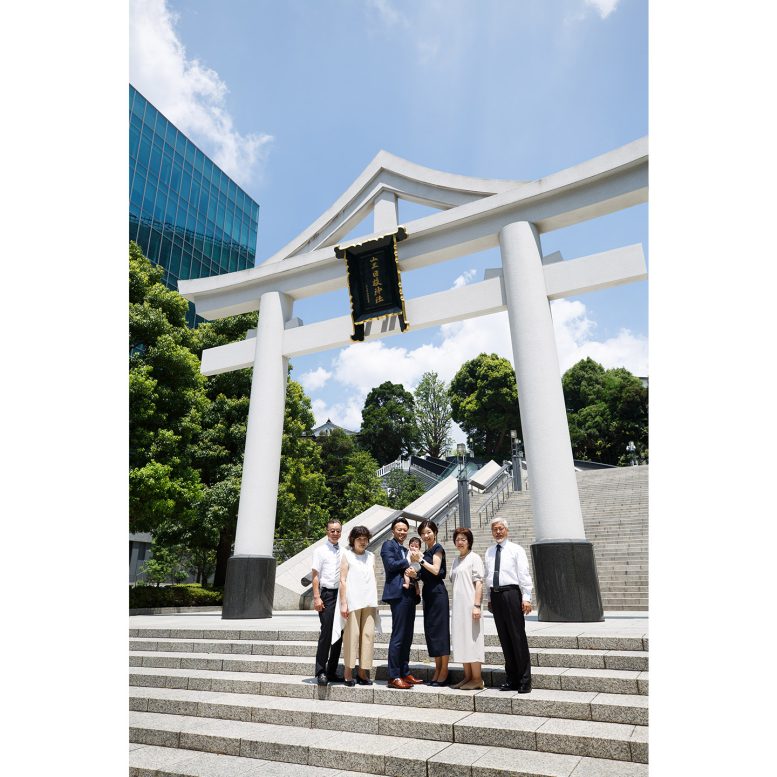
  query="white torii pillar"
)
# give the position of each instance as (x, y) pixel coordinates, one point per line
(250, 582)
(567, 586)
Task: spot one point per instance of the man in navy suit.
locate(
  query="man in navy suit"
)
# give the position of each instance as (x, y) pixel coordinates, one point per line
(402, 602)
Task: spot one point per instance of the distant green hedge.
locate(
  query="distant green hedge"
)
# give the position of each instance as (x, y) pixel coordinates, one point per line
(190, 595)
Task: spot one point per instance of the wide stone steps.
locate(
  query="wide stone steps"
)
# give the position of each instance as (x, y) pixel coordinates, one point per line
(585, 659)
(212, 702)
(574, 705)
(631, 681)
(521, 748)
(153, 761)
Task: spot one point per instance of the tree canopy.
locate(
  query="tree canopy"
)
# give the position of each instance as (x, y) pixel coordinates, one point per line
(484, 402)
(166, 401)
(606, 409)
(388, 423)
(402, 488)
(433, 415)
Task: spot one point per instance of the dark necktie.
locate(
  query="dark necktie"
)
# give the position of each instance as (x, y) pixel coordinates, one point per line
(497, 564)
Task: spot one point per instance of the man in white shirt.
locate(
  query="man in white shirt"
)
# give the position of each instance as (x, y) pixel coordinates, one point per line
(508, 591)
(326, 579)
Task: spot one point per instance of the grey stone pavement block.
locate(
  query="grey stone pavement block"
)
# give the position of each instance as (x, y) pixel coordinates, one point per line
(301, 690)
(452, 699)
(220, 634)
(554, 704)
(360, 694)
(550, 641)
(267, 636)
(494, 700)
(366, 752)
(642, 683)
(600, 642)
(411, 761)
(496, 730)
(593, 659)
(277, 743)
(455, 760)
(626, 659)
(411, 697)
(639, 744)
(172, 706)
(598, 767)
(547, 677)
(620, 708)
(585, 737)
(500, 762)
(200, 764)
(603, 680)
(215, 736)
(152, 757)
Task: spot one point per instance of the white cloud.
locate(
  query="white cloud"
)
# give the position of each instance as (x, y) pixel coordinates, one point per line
(189, 93)
(464, 279)
(360, 367)
(575, 341)
(347, 414)
(314, 379)
(603, 7)
(388, 13)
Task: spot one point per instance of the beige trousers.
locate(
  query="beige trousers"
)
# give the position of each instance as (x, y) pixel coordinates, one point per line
(359, 638)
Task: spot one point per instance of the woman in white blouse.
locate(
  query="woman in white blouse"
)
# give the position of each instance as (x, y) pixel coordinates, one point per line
(466, 622)
(358, 596)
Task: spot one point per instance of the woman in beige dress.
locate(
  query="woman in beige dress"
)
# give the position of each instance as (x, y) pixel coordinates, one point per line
(358, 601)
(466, 622)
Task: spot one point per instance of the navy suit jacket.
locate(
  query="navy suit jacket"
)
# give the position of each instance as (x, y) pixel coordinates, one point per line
(394, 557)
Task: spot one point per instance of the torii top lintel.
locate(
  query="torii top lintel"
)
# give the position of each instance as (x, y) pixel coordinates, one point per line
(473, 210)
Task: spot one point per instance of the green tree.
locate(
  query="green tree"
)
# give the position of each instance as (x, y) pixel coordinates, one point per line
(484, 402)
(388, 423)
(303, 495)
(167, 565)
(433, 414)
(402, 488)
(336, 448)
(606, 409)
(219, 454)
(166, 401)
(363, 487)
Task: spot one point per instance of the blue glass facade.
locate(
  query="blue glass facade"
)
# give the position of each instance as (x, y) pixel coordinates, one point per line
(185, 213)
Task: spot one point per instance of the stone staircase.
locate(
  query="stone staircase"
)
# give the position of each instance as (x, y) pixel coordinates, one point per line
(243, 702)
(615, 515)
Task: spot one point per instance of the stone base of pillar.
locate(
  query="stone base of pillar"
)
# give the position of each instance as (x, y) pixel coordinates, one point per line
(249, 587)
(566, 583)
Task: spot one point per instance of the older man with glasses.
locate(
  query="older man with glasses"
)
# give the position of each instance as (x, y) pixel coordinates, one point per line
(326, 579)
(508, 590)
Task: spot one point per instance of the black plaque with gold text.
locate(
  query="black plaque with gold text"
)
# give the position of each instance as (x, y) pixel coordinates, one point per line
(374, 283)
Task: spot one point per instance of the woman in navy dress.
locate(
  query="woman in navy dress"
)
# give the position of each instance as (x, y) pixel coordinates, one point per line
(437, 628)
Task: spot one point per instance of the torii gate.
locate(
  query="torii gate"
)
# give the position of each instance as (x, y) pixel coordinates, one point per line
(475, 214)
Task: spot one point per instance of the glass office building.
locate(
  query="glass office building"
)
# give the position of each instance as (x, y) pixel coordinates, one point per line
(185, 213)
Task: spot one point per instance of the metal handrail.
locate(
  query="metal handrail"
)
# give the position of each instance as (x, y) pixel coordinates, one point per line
(503, 485)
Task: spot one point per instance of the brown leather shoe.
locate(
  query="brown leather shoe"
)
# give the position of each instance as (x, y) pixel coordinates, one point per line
(398, 682)
(408, 678)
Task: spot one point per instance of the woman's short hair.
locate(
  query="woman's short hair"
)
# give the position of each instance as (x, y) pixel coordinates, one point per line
(359, 531)
(427, 524)
(467, 534)
(400, 519)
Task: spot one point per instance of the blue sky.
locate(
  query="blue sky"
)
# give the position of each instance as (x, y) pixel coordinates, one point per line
(294, 99)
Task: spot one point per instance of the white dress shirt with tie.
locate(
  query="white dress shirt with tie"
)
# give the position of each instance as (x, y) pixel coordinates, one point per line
(513, 568)
(326, 561)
